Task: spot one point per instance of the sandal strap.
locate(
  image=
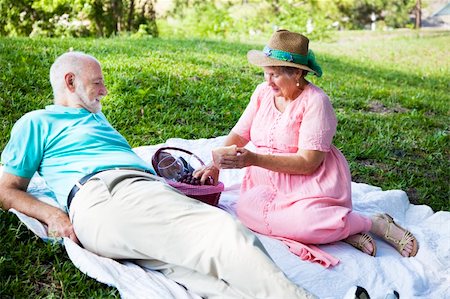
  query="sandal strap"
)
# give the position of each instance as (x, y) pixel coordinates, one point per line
(363, 240)
(406, 238)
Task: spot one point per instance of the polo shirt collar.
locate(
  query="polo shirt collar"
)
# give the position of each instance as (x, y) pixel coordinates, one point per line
(65, 109)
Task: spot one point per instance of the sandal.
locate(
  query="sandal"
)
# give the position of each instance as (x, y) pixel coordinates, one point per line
(406, 238)
(363, 240)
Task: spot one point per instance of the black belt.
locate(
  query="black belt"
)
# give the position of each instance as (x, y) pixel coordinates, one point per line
(84, 179)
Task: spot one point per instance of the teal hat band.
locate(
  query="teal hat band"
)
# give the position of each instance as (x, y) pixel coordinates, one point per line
(285, 56)
(309, 60)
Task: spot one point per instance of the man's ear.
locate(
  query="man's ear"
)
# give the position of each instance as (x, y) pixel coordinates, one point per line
(69, 78)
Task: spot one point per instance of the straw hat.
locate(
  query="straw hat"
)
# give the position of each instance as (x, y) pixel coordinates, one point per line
(286, 48)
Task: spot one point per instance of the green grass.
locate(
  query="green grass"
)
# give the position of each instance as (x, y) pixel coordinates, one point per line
(390, 92)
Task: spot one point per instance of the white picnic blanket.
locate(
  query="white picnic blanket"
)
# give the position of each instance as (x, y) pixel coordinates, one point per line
(425, 276)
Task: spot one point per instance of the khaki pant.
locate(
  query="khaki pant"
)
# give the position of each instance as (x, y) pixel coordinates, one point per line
(123, 214)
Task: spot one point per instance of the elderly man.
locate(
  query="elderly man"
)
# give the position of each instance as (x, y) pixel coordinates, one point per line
(116, 207)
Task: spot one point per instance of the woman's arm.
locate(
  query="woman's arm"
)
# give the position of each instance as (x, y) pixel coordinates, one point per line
(304, 162)
(211, 170)
(235, 139)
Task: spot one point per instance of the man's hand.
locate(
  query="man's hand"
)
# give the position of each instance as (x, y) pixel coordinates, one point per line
(13, 195)
(59, 225)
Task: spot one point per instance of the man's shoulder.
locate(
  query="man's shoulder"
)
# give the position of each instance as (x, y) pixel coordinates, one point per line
(35, 113)
(32, 116)
(36, 119)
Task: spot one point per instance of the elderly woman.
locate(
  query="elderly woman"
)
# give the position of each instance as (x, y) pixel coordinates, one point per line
(297, 183)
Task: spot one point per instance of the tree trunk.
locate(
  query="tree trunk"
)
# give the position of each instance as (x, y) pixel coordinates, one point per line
(115, 16)
(418, 13)
(130, 16)
(98, 17)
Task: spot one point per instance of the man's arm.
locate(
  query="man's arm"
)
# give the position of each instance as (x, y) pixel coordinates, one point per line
(13, 195)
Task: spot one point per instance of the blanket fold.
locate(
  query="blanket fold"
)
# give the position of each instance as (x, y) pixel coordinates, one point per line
(425, 276)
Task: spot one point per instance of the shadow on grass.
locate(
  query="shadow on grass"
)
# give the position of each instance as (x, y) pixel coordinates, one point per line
(192, 89)
(162, 88)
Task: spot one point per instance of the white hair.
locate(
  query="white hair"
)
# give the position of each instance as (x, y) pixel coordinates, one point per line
(70, 62)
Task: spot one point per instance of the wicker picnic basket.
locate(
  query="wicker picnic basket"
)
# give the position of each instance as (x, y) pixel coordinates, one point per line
(209, 194)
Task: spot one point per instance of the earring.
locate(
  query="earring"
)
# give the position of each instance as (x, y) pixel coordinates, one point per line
(298, 84)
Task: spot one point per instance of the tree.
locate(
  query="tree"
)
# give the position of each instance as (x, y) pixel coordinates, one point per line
(218, 18)
(130, 15)
(394, 13)
(418, 14)
(76, 17)
(18, 17)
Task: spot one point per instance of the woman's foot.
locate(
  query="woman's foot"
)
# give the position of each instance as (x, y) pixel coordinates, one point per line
(363, 242)
(383, 225)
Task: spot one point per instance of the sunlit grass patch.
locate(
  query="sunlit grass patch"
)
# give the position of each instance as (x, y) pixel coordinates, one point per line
(390, 93)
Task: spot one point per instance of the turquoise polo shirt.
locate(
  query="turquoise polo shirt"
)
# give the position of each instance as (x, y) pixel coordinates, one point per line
(63, 144)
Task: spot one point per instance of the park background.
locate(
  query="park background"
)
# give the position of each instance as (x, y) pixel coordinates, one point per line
(178, 69)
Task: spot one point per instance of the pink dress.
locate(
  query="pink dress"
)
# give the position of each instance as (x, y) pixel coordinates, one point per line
(300, 210)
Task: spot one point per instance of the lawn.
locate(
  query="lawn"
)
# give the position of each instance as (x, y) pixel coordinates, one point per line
(390, 91)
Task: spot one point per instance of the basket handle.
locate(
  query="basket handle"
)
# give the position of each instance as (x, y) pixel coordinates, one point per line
(155, 158)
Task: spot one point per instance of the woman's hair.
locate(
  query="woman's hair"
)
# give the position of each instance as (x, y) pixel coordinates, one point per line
(289, 70)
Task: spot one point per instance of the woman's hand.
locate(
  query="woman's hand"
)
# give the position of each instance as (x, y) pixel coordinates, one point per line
(208, 175)
(243, 158)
